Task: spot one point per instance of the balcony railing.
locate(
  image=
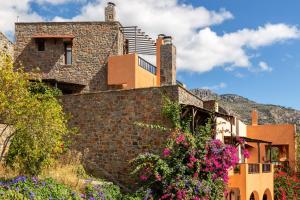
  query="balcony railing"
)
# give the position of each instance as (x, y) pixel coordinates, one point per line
(146, 65)
(266, 168)
(253, 169)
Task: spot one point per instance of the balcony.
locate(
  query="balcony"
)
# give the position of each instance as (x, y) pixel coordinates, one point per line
(251, 181)
(130, 71)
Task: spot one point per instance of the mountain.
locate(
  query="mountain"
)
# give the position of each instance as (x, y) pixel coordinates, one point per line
(242, 108)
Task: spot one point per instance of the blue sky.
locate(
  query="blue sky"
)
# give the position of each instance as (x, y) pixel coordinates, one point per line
(230, 30)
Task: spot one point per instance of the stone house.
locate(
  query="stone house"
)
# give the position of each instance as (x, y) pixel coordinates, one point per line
(108, 86)
(6, 46)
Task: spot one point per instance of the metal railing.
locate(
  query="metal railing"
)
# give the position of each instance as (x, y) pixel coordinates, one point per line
(253, 169)
(146, 65)
(266, 168)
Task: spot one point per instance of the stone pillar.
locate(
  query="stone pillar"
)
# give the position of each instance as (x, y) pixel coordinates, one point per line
(168, 62)
(110, 12)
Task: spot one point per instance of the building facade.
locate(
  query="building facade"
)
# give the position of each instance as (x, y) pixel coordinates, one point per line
(109, 87)
(283, 150)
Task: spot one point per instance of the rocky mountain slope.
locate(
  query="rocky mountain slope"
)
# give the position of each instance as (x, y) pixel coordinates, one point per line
(242, 107)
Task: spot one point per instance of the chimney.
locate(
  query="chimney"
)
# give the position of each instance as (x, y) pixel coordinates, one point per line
(211, 105)
(110, 12)
(254, 118)
(167, 62)
(159, 42)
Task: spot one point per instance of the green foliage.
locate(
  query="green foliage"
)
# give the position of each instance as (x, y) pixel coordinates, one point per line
(13, 195)
(32, 188)
(103, 191)
(43, 89)
(172, 111)
(38, 123)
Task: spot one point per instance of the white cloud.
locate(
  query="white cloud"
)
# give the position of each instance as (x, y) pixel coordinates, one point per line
(264, 67)
(199, 48)
(11, 9)
(57, 2)
(216, 87)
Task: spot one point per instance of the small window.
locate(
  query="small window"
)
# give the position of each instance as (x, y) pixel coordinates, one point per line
(68, 54)
(41, 45)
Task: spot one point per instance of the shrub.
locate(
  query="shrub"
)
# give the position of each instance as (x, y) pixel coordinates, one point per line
(191, 166)
(24, 188)
(286, 186)
(38, 125)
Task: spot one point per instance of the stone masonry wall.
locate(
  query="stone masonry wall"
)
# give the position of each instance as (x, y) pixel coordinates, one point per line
(168, 64)
(108, 137)
(6, 46)
(94, 42)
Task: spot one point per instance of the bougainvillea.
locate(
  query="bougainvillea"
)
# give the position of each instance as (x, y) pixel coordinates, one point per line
(191, 166)
(286, 186)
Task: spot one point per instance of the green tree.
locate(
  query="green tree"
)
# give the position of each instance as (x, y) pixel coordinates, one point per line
(38, 125)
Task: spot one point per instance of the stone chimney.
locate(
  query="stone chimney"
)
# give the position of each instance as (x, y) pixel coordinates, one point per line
(254, 118)
(110, 12)
(168, 62)
(211, 105)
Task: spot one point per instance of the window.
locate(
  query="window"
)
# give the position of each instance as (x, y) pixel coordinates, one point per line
(41, 45)
(68, 54)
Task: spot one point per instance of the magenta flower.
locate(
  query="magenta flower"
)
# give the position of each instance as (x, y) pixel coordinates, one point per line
(166, 152)
(180, 138)
(143, 178)
(246, 153)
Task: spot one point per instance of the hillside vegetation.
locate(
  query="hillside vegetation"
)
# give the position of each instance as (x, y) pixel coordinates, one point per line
(242, 107)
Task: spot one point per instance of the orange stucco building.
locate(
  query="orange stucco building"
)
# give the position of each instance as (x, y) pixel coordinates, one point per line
(283, 138)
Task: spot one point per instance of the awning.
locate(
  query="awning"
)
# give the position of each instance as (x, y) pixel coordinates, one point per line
(246, 139)
(50, 36)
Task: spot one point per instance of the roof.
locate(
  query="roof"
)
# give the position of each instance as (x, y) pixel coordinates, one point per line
(50, 36)
(247, 139)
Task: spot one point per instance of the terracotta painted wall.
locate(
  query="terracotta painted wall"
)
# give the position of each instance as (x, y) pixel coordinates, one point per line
(143, 78)
(248, 183)
(121, 70)
(125, 70)
(282, 134)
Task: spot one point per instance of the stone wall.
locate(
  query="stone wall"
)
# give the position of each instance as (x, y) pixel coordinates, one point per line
(93, 43)
(108, 137)
(6, 46)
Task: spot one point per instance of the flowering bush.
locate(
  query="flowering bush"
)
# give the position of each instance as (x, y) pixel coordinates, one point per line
(34, 189)
(286, 186)
(191, 166)
(185, 171)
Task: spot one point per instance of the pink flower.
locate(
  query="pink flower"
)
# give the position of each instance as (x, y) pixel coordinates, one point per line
(165, 196)
(158, 177)
(166, 152)
(181, 194)
(143, 178)
(180, 138)
(193, 159)
(190, 165)
(195, 175)
(246, 153)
